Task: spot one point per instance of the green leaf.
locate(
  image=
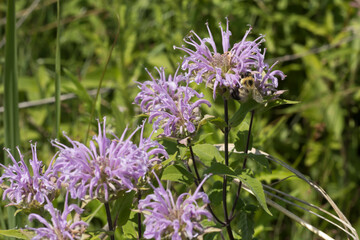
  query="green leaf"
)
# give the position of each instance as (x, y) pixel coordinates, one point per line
(258, 158)
(240, 115)
(244, 176)
(88, 219)
(129, 229)
(18, 233)
(279, 102)
(177, 173)
(215, 194)
(202, 137)
(207, 153)
(218, 122)
(170, 159)
(122, 208)
(240, 142)
(220, 169)
(256, 186)
(183, 151)
(246, 224)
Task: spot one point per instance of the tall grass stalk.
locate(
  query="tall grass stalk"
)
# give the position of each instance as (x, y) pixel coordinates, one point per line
(11, 111)
(100, 84)
(57, 76)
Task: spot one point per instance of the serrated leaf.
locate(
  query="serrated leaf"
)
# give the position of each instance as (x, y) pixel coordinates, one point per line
(122, 208)
(18, 233)
(258, 158)
(241, 140)
(207, 153)
(205, 120)
(183, 151)
(256, 186)
(220, 169)
(218, 122)
(202, 137)
(215, 197)
(246, 224)
(129, 230)
(240, 114)
(177, 173)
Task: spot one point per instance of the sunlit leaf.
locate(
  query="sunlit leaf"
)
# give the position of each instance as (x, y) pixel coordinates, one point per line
(177, 173)
(18, 233)
(207, 153)
(246, 224)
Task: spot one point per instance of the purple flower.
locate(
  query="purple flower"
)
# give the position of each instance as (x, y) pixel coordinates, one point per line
(224, 70)
(107, 166)
(165, 218)
(28, 188)
(59, 227)
(168, 100)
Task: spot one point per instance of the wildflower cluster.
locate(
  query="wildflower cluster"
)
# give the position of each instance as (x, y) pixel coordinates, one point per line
(223, 71)
(107, 166)
(165, 217)
(60, 227)
(169, 101)
(27, 188)
(110, 167)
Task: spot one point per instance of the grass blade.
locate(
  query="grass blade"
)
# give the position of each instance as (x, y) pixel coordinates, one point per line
(100, 84)
(57, 76)
(11, 111)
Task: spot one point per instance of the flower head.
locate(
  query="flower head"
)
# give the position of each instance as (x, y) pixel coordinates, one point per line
(59, 227)
(165, 218)
(169, 101)
(107, 166)
(28, 188)
(223, 70)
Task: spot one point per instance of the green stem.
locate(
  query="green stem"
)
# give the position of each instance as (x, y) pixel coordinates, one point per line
(226, 143)
(100, 84)
(197, 182)
(244, 165)
(110, 224)
(57, 76)
(139, 216)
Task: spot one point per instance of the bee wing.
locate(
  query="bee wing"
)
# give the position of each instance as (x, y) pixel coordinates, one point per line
(257, 96)
(243, 94)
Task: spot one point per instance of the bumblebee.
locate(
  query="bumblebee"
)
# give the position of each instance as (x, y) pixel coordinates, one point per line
(247, 89)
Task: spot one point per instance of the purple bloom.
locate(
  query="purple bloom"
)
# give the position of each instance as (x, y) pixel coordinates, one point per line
(165, 218)
(169, 101)
(59, 227)
(223, 70)
(107, 166)
(28, 188)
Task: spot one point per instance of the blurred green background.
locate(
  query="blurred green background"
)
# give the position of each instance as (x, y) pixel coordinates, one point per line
(317, 45)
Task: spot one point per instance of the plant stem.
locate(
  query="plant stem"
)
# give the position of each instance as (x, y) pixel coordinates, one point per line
(100, 84)
(108, 215)
(11, 95)
(226, 143)
(57, 76)
(244, 165)
(139, 216)
(197, 182)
